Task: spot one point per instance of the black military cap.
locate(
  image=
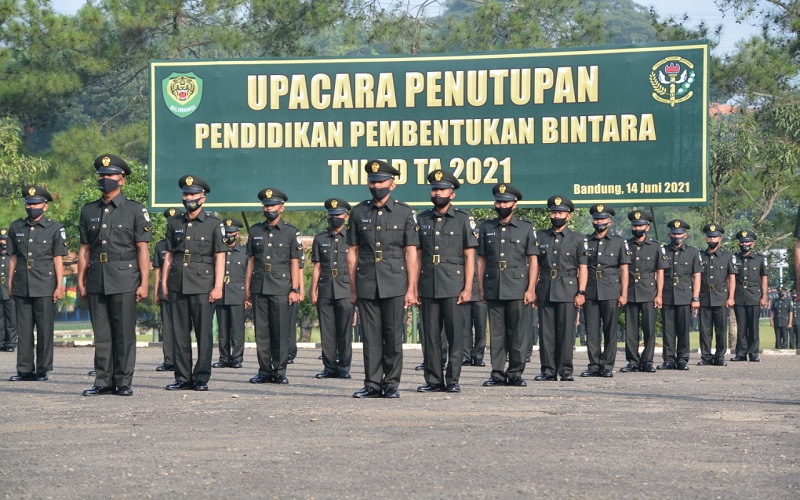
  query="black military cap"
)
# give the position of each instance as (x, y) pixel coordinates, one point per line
(110, 164)
(36, 194)
(678, 226)
(601, 211)
(442, 179)
(336, 206)
(506, 192)
(560, 203)
(379, 170)
(713, 230)
(639, 218)
(232, 225)
(272, 196)
(193, 184)
(171, 212)
(3, 233)
(745, 235)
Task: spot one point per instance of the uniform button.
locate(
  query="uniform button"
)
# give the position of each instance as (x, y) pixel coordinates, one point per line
(227, 272)
(599, 253)
(186, 251)
(106, 210)
(378, 228)
(601, 242)
(637, 258)
(29, 254)
(104, 242)
(188, 237)
(502, 254)
(185, 265)
(380, 212)
(271, 235)
(436, 248)
(269, 244)
(335, 263)
(395, 227)
(503, 229)
(437, 233)
(33, 228)
(268, 257)
(189, 224)
(555, 251)
(202, 238)
(130, 265)
(30, 241)
(378, 244)
(228, 262)
(103, 226)
(502, 241)
(556, 240)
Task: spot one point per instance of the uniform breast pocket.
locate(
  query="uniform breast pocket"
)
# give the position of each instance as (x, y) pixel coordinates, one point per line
(203, 245)
(395, 234)
(122, 231)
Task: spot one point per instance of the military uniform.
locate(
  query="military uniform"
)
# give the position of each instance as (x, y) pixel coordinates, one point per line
(505, 251)
(230, 308)
(110, 233)
(562, 256)
(475, 326)
(380, 235)
(748, 295)
(35, 247)
(781, 314)
(644, 285)
(192, 245)
(678, 295)
(167, 334)
(8, 309)
(332, 280)
(794, 331)
(608, 257)
(716, 269)
(270, 252)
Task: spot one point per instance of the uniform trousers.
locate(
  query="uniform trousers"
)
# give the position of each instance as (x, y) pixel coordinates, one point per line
(475, 331)
(167, 333)
(605, 312)
(676, 331)
(114, 325)
(713, 322)
(648, 325)
(271, 321)
(292, 329)
(747, 325)
(556, 336)
(382, 329)
(528, 331)
(794, 335)
(335, 326)
(506, 338)
(438, 315)
(8, 323)
(781, 337)
(230, 330)
(39, 311)
(187, 311)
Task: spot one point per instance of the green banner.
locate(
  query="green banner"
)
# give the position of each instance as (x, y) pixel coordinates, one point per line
(614, 125)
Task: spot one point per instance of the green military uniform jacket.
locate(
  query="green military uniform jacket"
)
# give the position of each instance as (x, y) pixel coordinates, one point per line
(560, 254)
(604, 256)
(330, 250)
(506, 248)
(442, 239)
(781, 309)
(715, 268)
(34, 245)
(235, 271)
(646, 260)
(112, 231)
(273, 249)
(748, 280)
(678, 276)
(193, 244)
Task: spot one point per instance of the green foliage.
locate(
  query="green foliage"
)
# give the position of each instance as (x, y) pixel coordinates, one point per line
(16, 168)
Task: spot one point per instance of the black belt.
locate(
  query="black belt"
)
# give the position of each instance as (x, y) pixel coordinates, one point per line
(638, 276)
(555, 274)
(103, 258)
(197, 259)
(30, 263)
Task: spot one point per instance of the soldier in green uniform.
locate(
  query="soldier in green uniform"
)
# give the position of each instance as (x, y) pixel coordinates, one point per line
(194, 267)
(794, 331)
(230, 308)
(717, 285)
(161, 299)
(507, 275)
(681, 295)
(561, 292)
(8, 309)
(113, 271)
(606, 291)
(38, 245)
(272, 284)
(645, 283)
(382, 263)
(446, 256)
(330, 291)
(750, 296)
(780, 318)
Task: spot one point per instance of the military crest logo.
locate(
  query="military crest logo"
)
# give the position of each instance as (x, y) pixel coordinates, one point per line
(671, 79)
(375, 167)
(182, 93)
(438, 175)
(31, 191)
(268, 193)
(334, 203)
(502, 188)
(106, 161)
(189, 180)
(637, 215)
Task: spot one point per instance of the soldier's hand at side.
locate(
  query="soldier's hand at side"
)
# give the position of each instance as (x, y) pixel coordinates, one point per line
(247, 304)
(529, 297)
(58, 294)
(763, 302)
(411, 298)
(623, 299)
(313, 298)
(215, 295)
(730, 303)
(156, 300)
(483, 299)
(294, 297)
(658, 302)
(579, 300)
(141, 292)
(695, 306)
(464, 297)
(353, 295)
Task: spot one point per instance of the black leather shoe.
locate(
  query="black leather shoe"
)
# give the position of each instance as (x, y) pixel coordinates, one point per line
(648, 368)
(164, 367)
(754, 359)
(720, 362)
(666, 366)
(201, 386)
(629, 368)
(290, 361)
(280, 379)
(367, 392)
(478, 362)
(545, 378)
(466, 362)
(391, 392)
(42, 377)
(236, 364)
(607, 373)
(527, 359)
(92, 373)
(419, 367)
(9, 348)
(22, 377)
(320, 357)
(220, 364)
(96, 391)
(179, 386)
(493, 382)
(345, 375)
(517, 382)
(453, 388)
(430, 388)
(567, 377)
(124, 390)
(260, 379)
(704, 362)
(324, 374)
(590, 373)
(739, 358)
(682, 366)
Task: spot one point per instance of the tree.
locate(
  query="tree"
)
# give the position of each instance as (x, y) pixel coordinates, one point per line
(16, 167)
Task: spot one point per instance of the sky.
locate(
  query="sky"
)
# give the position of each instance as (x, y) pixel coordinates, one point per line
(698, 10)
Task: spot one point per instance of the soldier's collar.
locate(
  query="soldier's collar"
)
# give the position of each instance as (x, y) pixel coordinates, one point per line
(449, 213)
(201, 216)
(118, 200)
(387, 205)
(513, 221)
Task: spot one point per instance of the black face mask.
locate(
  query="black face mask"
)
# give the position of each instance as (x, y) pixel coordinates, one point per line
(557, 223)
(599, 228)
(638, 233)
(336, 222)
(379, 193)
(439, 201)
(3, 246)
(34, 213)
(745, 248)
(712, 244)
(676, 242)
(271, 215)
(192, 205)
(107, 184)
(503, 212)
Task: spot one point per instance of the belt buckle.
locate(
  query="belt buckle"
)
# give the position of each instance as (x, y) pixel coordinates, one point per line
(29, 264)
(676, 280)
(334, 272)
(502, 265)
(2, 279)
(187, 257)
(744, 283)
(712, 288)
(268, 268)
(598, 275)
(637, 276)
(437, 259)
(103, 257)
(378, 255)
(553, 274)
(226, 279)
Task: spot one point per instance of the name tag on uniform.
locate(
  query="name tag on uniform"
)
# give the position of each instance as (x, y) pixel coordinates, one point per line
(179, 230)
(490, 234)
(326, 244)
(544, 246)
(424, 227)
(94, 219)
(21, 235)
(366, 221)
(258, 237)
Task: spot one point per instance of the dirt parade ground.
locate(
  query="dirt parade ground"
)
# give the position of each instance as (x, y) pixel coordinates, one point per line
(712, 432)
